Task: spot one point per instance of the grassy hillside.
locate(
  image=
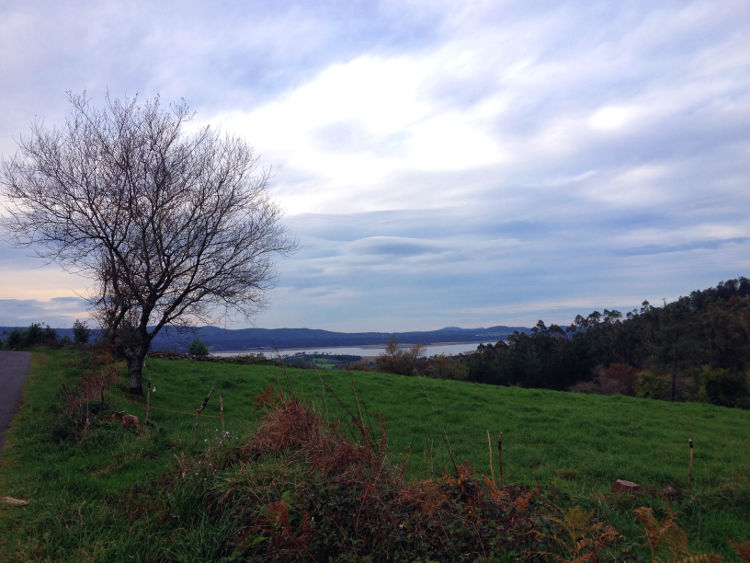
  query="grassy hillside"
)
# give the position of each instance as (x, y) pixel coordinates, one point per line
(579, 444)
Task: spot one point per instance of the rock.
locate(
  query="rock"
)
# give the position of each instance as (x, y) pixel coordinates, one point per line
(15, 501)
(130, 421)
(621, 485)
(669, 492)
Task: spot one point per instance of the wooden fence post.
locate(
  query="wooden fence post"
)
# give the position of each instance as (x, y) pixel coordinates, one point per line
(221, 412)
(148, 398)
(690, 471)
(500, 456)
(198, 413)
(489, 446)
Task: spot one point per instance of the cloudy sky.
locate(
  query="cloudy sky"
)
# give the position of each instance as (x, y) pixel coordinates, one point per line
(440, 163)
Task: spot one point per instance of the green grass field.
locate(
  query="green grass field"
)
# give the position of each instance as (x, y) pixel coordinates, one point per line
(579, 444)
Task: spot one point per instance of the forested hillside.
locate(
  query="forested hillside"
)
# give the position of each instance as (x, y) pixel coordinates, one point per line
(696, 348)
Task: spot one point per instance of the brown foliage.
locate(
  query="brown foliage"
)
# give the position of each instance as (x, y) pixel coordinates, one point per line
(403, 361)
(99, 375)
(666, 540)
(619, 379)
(347, 500)
(742, 549)
(266, 399)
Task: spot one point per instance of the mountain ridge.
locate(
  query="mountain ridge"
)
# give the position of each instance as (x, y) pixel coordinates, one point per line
(248, 339)
(218, 339)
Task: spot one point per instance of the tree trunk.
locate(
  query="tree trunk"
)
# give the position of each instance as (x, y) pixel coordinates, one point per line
(135, 368)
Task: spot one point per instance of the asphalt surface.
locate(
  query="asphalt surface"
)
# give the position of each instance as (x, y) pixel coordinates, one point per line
(14, 367)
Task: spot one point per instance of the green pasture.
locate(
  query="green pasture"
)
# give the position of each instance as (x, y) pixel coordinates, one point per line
(574, 442)
(577, 444)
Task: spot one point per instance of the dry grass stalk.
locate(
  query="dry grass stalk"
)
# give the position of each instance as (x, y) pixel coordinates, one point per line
(489, 446)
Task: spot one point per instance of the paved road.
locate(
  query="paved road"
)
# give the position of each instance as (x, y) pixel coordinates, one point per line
(14, 367)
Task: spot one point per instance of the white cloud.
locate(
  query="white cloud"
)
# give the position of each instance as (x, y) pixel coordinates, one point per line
(491, 157)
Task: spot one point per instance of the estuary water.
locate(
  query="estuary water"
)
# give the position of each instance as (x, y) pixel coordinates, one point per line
(448, 348)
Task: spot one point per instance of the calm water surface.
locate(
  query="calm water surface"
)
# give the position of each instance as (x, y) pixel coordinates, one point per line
(452, 349)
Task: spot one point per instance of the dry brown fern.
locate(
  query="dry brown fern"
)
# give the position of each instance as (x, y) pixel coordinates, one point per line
(742, 549)
(667, 541)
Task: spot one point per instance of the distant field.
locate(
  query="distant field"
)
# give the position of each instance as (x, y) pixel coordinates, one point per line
(579, 444)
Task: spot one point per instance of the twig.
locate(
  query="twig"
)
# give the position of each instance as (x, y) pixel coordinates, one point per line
(198, 413)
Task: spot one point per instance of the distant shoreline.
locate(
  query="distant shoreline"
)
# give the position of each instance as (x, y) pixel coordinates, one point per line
(466, 347)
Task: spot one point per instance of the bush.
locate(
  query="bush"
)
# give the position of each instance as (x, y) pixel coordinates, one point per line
(619, 379)
(15, 339)
(81, 332)
(198, 348)
(300, 490)
(721, 387)
(653, 386)
(446, 367)
(35, 335)
(399, 360)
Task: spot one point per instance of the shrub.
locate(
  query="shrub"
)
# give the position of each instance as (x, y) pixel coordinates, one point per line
(82, 400)
(198, 348)
(81, 332)
(653, 386)
(35, 335)
(446, 367)
(15, 339)
(301, 490)
(399, 360)
(721, 387)
(619, 379)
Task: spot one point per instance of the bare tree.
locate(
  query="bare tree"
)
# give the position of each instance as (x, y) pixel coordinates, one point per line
(170, 225)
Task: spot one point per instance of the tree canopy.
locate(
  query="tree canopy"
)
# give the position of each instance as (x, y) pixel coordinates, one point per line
(703, 339)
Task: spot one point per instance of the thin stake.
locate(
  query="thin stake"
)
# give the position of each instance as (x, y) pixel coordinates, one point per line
(690, 472)
(489, 446)
(148, 398)
(221, 412)
(198, 413)
(500, 456)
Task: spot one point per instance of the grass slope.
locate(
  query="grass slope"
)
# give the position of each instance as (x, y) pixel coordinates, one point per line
(578, 443)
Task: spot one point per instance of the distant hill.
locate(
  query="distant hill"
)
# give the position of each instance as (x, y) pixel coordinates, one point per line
(219, 339)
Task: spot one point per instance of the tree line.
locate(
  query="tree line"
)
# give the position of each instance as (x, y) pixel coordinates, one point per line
(38, 334)
(695, 348)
